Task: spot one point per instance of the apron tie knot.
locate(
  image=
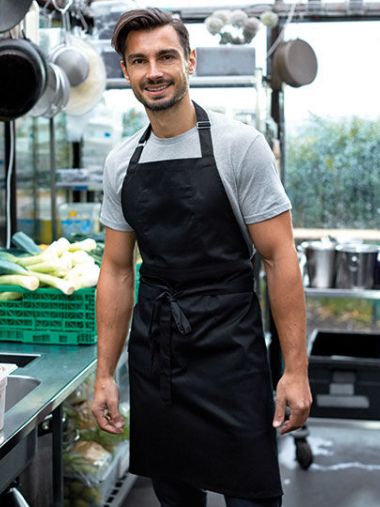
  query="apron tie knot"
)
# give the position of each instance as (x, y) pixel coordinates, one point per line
(165, 309)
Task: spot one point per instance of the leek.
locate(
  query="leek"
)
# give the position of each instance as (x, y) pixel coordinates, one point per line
(53, 281)
(10, 296)
(86, 244)
(84, 275)
(26, 281)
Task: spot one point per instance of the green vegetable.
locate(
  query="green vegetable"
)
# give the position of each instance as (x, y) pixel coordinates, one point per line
(53, 281)
(25, 242)
(10, 268)
(10, 296)
(26, 281)
(86, 245)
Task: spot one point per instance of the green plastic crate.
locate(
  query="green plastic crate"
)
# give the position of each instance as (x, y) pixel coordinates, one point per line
(48, 316)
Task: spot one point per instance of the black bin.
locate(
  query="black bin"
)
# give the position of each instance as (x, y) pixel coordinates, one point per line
(344, 370)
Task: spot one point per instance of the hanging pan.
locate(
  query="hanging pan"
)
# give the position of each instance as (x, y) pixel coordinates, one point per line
(294, 63)
(12, 12)
(23, 72)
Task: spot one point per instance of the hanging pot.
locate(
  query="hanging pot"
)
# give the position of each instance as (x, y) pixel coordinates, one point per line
(56, 94)
(294, 63)
(12, 12)
(86, 96)
(23, 72)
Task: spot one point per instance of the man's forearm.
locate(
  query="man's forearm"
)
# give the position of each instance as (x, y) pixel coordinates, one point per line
(114, 303)
(287, 301)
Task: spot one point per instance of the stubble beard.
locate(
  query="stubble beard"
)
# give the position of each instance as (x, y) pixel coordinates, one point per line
(167, 104)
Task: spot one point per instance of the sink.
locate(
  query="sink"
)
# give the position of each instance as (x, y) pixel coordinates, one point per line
(20, 359)
(17, 388)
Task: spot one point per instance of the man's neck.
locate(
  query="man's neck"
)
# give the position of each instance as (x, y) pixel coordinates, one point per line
(173, 121)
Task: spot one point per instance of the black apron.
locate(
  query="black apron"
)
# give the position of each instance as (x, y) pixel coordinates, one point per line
(200, 390)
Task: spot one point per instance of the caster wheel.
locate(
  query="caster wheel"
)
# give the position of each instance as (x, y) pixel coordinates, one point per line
(304, 454)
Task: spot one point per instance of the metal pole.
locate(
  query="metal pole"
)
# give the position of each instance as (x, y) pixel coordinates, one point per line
(57, 430)
(10, 184)
(53, 189)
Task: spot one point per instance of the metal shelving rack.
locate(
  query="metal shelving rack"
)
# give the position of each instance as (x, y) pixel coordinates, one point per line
(344, 293)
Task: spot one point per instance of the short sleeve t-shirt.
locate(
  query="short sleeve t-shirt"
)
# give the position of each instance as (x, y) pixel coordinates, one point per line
(244, 160)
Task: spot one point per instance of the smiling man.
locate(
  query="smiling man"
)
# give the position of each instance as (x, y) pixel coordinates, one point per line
(200, 193)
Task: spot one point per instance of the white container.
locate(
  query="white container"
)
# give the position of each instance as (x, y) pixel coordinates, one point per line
(79, 218)
(5, 370)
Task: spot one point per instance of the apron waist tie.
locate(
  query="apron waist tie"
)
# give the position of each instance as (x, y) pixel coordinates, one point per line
(165, 309)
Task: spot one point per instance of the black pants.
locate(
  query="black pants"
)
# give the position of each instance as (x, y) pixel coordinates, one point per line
(172, 493)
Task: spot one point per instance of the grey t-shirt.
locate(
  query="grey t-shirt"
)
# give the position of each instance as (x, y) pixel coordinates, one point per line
(243, 157)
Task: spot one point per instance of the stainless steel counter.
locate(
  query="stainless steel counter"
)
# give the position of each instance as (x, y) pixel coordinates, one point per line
(60, 369)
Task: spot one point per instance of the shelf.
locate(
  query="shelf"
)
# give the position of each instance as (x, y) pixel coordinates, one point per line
(343, 293)
(200, 82)
(120, 491)
(80, 185)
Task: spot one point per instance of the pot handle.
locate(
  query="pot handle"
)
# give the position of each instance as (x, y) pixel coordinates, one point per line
(62, 8)
(353, 264)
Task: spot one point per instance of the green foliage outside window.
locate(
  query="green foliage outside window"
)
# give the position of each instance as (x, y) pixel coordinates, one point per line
(333, 173)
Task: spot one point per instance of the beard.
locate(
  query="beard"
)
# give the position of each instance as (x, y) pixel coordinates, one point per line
(158, 104)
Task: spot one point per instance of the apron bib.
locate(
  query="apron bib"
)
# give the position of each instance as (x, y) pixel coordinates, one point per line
(200, 391)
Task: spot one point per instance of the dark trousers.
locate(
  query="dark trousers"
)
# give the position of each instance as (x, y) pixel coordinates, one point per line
(172, 493)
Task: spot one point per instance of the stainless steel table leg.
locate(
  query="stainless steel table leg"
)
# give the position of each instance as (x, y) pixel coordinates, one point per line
(57, 429)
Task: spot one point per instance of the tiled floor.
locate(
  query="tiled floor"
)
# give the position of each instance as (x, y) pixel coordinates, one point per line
(345, 472)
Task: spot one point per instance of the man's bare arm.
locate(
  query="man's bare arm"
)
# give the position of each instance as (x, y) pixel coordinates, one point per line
(114, 303)
(273, 239)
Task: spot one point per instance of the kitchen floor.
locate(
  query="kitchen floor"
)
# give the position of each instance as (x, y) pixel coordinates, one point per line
(345, 472)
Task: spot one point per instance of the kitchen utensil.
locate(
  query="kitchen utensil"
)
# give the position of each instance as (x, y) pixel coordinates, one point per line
(23, 71)
(12, 12)
(320, 263)
(72, 61)
(85, 96)
(68, 56)
(356, 266)
(56, 94)
(294, 63)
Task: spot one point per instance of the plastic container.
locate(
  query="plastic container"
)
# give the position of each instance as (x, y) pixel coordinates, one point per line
(48, 316)
(344, 371)
(5, 370)
(92, 495)
(79, 218)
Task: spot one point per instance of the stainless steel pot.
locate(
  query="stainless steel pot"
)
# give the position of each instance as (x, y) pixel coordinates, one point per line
(23, 71)
(320, 263)
(12, 13)
(356, 266)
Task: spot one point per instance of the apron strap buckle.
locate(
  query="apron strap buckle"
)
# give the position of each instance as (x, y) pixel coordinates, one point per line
(203, 124)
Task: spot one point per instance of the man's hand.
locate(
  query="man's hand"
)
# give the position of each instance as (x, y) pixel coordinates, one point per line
(105, 406)
(292, 391)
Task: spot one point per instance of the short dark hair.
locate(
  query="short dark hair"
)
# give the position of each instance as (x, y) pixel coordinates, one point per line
(147, 19)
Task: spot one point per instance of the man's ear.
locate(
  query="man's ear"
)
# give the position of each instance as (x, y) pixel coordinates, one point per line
(192, 61)
(124, 70)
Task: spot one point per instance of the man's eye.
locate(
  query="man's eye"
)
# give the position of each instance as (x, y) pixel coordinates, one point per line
(167, 57)
(137, 61)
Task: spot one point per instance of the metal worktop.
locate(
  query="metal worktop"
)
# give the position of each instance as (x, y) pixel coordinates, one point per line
(60, 369)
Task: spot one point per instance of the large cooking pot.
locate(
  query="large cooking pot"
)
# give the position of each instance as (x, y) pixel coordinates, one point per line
(320, 263)
(23, 72)
(356, 265)
(294, 63)
(56, 94)
(12, 12)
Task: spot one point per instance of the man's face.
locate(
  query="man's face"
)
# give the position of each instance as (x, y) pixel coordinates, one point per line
(156, 67)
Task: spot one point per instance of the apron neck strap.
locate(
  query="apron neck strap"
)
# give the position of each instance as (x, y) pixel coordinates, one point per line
(142, 141)
(203, 125)
(204, 131)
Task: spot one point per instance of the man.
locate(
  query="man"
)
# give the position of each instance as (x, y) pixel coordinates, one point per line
(196, 190)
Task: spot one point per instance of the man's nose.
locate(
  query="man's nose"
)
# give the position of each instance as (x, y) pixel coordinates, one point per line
(154, 70)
